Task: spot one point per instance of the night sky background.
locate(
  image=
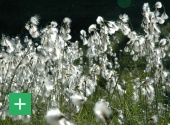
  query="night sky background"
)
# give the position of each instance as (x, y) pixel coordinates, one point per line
(15, 13)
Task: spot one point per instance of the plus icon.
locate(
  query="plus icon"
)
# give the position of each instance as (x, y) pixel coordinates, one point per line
(19, 103)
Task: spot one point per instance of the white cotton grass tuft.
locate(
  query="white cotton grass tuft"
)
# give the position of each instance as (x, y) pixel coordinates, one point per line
(163, 42)
(160, 20)
(158, 5)
(148, 89)
(83, 33)
(164, 16)
(78, 100)
(35, 34)
(67, 20)
(135, 57)
(113, 27)
(35, 20)
(146, 7)
(53, 116)
(100, 20)
(32, 26)
(54, 24)
(27, 26)
(92, 27)
(154, 118)
(83, 37)
(102, 111)
(124, 18)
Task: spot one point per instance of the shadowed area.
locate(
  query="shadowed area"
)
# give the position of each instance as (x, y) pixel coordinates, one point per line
(14, 14)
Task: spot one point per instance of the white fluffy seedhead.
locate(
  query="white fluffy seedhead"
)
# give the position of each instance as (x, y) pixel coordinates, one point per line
(100, 20)
(35, 20)
(67, 20)
(124, 18)
(78, 100)
(146, 7)
(158, 5)
(154, 118)
(103, 111)
(92, 28)
(54, 24)
(83, 33)
(54, 116)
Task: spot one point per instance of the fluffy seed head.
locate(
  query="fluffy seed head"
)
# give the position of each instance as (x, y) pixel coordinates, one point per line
(78, 100)
(35, 20)
(158, 5)
(154, 119)
(102, 111)
(100, 20)
(53, 116)
(67, 20)
(124, 18)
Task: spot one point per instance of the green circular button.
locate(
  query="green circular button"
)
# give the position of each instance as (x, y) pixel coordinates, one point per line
(124, 3)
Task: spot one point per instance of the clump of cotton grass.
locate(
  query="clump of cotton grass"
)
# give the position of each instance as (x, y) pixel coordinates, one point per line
(56, 117)
(140, 47)
(149, 45)
(31, 26)
(48, 70)
(146, 88)
(103, 111)
(154, 119)
(148, 91)
(78, 101)
(40, 61)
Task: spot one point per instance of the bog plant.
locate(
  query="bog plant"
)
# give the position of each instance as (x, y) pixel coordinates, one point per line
(83, 82)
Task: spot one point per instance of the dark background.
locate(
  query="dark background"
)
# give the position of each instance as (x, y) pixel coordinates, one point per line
(15, 13)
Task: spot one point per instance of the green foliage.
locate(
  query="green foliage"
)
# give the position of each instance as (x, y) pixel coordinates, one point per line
(165, 29)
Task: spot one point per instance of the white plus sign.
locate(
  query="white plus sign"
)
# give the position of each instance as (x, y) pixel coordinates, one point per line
(19, 103)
